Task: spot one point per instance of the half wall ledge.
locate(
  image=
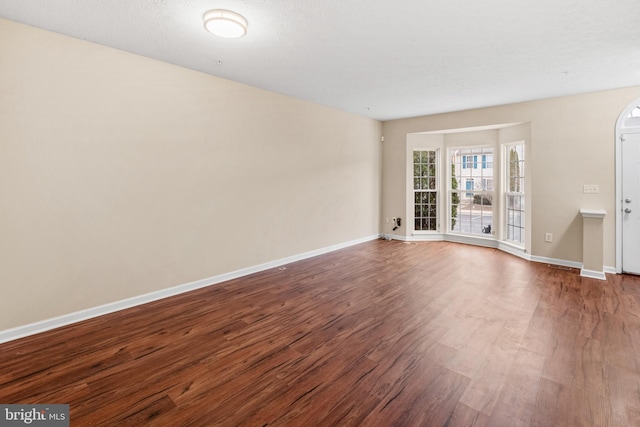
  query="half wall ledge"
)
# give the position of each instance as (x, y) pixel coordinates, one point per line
(592, 243)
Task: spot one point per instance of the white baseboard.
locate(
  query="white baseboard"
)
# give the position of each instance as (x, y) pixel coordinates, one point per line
(394, 237)
(469, 240)
(556, 261)
(593, 274)
(67, 319)
(512, 249)
(434, 237)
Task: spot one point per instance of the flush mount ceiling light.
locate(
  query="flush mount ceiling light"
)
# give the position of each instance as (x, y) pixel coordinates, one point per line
(225, 23)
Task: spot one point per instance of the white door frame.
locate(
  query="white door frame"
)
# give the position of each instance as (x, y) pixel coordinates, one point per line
(619, 132)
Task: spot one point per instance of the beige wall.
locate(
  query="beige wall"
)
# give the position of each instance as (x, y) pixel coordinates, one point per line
(120, 175)
(572, 143)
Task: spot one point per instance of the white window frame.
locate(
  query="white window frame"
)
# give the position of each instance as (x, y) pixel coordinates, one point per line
(437, 191)
(506, 194)
(462, 186)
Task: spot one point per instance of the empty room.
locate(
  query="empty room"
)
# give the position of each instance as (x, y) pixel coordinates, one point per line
(234, 213)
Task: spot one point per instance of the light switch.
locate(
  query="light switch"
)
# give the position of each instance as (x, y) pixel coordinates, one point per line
(591, 189)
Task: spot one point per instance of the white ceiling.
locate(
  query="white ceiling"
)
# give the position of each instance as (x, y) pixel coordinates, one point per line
(377, 58)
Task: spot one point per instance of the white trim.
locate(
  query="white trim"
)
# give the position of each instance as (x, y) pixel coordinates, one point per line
(421, 142)
(393, 237)
(593, 213)
(455, 238)
(471, 129)
(513, 249)
(78, 316)
(428, 237)
(593, 274)
(505, 167)
(471, 240)
(68, 319)
(505, 247)
(411, 186)
(618, 149)
(555, 261)
(448, 192)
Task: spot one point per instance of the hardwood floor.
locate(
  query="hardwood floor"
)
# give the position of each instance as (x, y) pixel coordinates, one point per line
(379, 334)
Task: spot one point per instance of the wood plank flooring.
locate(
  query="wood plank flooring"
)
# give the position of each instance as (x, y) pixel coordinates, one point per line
(379, 334)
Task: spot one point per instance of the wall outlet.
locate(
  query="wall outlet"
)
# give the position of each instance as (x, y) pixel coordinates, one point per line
(548, 237)
(591, 189)
(387, 220)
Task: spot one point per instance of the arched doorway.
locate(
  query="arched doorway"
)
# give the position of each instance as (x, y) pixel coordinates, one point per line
(628, 189)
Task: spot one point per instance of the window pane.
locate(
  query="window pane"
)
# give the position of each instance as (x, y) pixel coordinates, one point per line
(472, 203)
(455, 211)
(425, 211)
(432, 157)
(515, 212)
(485, 220)
(425, 185)
(515, 217)
(489, 161)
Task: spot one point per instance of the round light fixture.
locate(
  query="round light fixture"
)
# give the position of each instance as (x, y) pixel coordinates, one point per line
(225, 23)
